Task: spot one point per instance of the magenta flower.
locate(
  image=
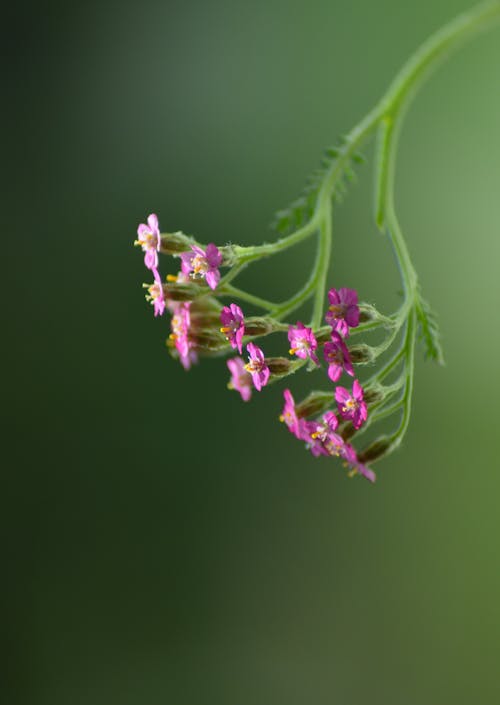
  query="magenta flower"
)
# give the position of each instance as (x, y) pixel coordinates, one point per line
(181, 321)
(337, 356)
(352, 406)
(204, 264)
(321, 434)
(233, 326)
(241, 380)
(289, 416)
(149, 239)
(351, 460)
(343, 312)
(257, 367)
(302, 341)
(156, 294)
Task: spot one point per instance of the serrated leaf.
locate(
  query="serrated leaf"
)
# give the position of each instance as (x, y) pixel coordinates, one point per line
(302, 209)
(429, 331)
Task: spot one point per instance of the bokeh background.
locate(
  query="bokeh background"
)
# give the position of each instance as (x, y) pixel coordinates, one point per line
(164, 542)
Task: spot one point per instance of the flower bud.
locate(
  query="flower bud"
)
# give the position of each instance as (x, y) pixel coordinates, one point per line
(208, 341)
(256, 325)
(173, 243)
(361, 354)
(374, 394)
(278, 365)
(180, 292)
(324, 335)
(375, 450)
(314, 404)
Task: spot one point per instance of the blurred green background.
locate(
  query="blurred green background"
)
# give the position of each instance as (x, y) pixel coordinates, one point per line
(164, 542)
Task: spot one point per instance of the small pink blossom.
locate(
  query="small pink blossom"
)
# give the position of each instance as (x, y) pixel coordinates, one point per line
(257, 366)
(149, 239)
(204, 264)
(233, 325)
(337, 356)
(302, 341)
(343, 312)
(357, 468)
(321, 434)
(289, 416)
(156, 294)
(352, 406)
(181, 321)
(241, 380)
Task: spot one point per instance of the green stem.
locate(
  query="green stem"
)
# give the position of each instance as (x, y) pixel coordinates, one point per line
(322, 263)
(230, 290)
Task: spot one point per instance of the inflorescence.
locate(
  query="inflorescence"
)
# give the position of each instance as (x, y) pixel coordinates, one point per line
(327, 421)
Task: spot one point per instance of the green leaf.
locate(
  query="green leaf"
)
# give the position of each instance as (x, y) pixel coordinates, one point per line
(429, 331)
(302, 209)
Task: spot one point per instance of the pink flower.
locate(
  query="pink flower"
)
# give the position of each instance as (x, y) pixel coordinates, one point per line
(352, 406)
(351, 460)
(149, 239)
(337, 356)
(343, 312)
(257, 367)
(321, 436)
(303, 342)
(289, 416)
(233, 326)
(204, 264)
(181, 321)
(156, 294)
(240, 378)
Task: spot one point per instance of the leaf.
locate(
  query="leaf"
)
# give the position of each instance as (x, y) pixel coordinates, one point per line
(429, 331)
(300, 211)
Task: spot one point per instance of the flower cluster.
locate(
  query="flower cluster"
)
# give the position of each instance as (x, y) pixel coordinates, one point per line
(202, 325)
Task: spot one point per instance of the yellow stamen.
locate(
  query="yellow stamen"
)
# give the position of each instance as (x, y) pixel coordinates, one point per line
(172, 336)
(171, 278)
(226, 329)
(281, 418)
(292, 351)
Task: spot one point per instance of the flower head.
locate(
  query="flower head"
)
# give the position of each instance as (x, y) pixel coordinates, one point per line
(343, 312)
(321, 434)
(233, 325)
(302, 341)
(257, 366)
(290, 418)
(352, 406)
(203, 264)
(337, 356)
(156, 294)
(241, 380)
(181, 321)
(149, 239)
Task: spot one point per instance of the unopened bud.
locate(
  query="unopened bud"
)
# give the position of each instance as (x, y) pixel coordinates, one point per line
(375, 450)
(256, 325)
(207, 340)
(374, 394)
(361, 354)
(278, 365)
(346, 430)
(180, 292)
(314, 404)
(173, 243)
(229, 257)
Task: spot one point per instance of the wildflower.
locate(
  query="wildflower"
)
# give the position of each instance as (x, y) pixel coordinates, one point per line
(241, 380)
(181, 321)
(320, 434)
(356, 467)
(156, 294)
(289, 416)
(343, 312)
(257, 366)
(233, 326)
(303, 342)
(149, 239)
(337, 356)
(352, 406)
(204, 264)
